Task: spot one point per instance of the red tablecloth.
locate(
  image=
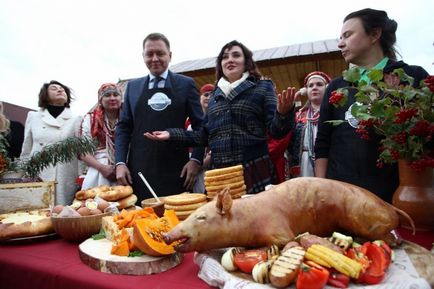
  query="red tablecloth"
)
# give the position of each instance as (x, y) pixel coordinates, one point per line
(422, 238)
(56, 264)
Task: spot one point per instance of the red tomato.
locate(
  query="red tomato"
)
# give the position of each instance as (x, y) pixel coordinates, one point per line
(337, 279)
(246, 260)
(312, 276)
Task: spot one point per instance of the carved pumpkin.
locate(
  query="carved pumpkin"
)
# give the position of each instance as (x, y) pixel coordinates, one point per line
(148, 234)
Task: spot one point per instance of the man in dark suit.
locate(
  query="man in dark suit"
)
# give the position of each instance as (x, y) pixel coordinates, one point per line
(155, 102)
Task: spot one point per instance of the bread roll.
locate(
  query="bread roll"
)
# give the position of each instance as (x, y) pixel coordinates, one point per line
(116, 193)
(127, 202)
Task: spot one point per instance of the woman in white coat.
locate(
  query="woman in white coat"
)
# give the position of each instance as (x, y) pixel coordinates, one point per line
(53, 122)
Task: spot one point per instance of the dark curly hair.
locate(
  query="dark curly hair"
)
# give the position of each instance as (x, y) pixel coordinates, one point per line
(373, 19)
(248, 56)
(43, 94)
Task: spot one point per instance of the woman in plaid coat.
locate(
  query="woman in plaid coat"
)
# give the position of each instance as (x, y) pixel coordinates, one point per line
(241, 110)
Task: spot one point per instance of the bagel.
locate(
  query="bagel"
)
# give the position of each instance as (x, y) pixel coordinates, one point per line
(116, 193)
(225, 181)
(223, 176)
(127, 202)
(223, 171)
(221, 187)
(184, 199)
(184, 207)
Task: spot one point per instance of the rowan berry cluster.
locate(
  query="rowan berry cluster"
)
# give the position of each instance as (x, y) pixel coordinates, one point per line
(336, 97)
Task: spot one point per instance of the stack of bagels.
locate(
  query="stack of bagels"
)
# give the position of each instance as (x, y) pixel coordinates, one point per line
(229, 177)
(184, 204)
(120, 194)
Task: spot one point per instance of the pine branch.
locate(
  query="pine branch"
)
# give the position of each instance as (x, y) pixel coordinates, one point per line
(60, 152)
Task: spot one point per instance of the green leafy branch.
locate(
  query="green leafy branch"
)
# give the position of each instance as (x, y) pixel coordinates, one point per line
(60, 152)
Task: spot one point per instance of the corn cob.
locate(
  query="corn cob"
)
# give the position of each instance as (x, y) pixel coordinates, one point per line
(310, 256)
(338, 261)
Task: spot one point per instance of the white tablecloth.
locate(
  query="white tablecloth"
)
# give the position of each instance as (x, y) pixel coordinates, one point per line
(400, 275)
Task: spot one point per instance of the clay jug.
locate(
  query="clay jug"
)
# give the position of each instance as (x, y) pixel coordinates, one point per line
(415, 196)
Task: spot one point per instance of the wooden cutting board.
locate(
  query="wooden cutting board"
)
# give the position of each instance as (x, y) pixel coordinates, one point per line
(96, 254)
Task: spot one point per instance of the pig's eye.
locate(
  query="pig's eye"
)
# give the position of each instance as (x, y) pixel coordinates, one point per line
(201, 218)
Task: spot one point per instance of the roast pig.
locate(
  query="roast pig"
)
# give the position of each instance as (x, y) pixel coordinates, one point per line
(315, 205)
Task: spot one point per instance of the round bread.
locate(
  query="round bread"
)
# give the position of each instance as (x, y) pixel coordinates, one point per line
(237, 191)
(184, 199)
(239, 195)
(223, 177)
(223, 171)
(25, 224)
(225, 181)
(116, 193)
(131, 208)
(91, 193)
(232, 191)
(184, 207)
(127, 202)
(183, 213)
(221, 187)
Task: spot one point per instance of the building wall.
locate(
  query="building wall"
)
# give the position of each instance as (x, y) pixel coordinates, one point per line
(16, 112)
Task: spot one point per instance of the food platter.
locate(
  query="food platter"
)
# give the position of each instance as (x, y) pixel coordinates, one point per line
(30, 239)
(96, 254)
(405, 272)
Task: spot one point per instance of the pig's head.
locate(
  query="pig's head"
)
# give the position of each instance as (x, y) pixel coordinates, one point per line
(209, 227)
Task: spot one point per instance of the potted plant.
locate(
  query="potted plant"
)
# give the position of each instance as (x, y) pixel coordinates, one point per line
(29, 169)
(390, 106)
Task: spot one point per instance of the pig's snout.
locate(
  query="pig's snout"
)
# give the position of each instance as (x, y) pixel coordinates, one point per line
(171, 236)
(167, 239)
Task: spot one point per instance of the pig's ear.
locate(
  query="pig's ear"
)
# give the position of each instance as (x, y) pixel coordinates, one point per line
(224, 201)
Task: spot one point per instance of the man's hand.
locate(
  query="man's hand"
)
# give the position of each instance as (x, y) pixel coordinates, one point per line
(123, 175)
(190, 171)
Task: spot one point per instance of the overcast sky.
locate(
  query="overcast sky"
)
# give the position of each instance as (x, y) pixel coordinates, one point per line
(84, 43)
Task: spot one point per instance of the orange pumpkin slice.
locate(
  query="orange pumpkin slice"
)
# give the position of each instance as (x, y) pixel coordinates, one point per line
(148, 234)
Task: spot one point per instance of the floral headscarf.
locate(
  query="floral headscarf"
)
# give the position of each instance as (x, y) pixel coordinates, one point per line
(99, 128)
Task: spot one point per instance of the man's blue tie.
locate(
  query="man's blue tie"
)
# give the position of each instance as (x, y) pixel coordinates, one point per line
(157, 79)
